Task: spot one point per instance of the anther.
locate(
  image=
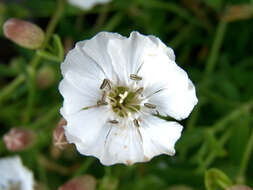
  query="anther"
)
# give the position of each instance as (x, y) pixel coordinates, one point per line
(105, 83)
(113, 121)
(139, 90)
(103, 96)
(150, 106)
(102, 103)
(135, 77)
(136, 123)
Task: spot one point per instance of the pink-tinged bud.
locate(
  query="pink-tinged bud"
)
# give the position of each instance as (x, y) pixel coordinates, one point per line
(86, 182)
(18, 139)
(239, 187)
(238, 12)
(45, 77)
(23, 33)
(59, 139)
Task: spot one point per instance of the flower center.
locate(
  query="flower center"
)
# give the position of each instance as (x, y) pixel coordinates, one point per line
(124, 101)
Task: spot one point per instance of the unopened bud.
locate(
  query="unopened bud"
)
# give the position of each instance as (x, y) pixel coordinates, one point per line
(238, 12)
(45, 77)
(59, 139)
(18, 139)
(239, 187)
(86, 182)
(24, 33)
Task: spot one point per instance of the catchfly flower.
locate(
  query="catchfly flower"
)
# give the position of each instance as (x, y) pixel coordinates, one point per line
(14, 176)
(114, 88)
(87, 4)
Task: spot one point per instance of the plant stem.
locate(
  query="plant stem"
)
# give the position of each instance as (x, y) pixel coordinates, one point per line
(84, 167)
(5, 92)
(214, 54)
(35, 61)
(245, 160)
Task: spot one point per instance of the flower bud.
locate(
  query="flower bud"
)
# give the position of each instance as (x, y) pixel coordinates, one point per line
(85, 182)
(59, 139)
(238, 12)
(23, 33)
(18, 139)
(45, 77)
(239, 187)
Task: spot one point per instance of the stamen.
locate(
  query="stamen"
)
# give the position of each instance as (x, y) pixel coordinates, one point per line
(150, 106)
(103, 96)
(113, 121)
(139, 91)
(136, 123)
(102, 103)
(105, 83)
(135, 77)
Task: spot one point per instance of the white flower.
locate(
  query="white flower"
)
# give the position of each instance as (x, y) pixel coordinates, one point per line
(87, 4)
(113, 87)
(14, 176)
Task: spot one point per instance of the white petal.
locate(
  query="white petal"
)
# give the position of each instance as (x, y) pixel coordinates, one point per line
(84, 127)
(159, 136)
(119, 56)
(123, 145)
(79, 62)
(178, 103)
(86, 4)
(12, 170)
(78, 92)
(178, 96)
(97, 49)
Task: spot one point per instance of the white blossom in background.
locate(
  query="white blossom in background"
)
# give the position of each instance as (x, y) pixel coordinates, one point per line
(14, 176)
(87, 4)
(114, 87)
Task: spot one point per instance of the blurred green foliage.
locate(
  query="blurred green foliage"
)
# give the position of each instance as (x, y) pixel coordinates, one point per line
(212, 40)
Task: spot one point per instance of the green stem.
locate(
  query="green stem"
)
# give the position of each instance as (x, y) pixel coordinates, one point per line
(5, 92)
(84, 167)
(35, 61)
(47, 117)
(173, 8)
(245, 160)
(214, 54)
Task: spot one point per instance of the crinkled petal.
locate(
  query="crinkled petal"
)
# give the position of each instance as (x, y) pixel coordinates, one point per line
(168, 86)
(159, 136)
(119, 56)
(13, 171)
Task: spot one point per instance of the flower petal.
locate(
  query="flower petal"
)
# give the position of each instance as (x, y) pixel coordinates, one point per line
(168, 86)
(119, 56)
(12, 170)
(86, 125)
(97, 49)
(123, 145)
(78, 92)
(159, 136)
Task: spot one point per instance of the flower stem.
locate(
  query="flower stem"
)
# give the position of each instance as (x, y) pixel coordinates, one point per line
(5, 92)
(84, 167)
(35, 61)
(245, 160)
(214, 54)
